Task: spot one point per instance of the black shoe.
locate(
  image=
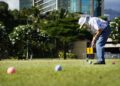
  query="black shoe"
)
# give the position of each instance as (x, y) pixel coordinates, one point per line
(100, 62)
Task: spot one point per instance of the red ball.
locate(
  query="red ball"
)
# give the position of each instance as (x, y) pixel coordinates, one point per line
(11, 70)
(113, 62)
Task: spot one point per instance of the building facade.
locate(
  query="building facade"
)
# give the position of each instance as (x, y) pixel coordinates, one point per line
(92, 7)
(50, 5)
(25, 4)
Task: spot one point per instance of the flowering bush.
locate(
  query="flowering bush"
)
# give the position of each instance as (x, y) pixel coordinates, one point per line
(21, 33)
(21, 37)
(24, 38)
(115, 26)
(2, 31)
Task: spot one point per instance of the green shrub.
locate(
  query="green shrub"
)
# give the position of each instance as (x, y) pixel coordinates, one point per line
(104, 18)
(115, 26)
(69, 55)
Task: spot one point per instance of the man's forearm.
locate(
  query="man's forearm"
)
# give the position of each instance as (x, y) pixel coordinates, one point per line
(95, 37)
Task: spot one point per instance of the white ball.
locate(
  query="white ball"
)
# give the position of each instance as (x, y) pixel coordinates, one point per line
(58, 68)
(90, 62)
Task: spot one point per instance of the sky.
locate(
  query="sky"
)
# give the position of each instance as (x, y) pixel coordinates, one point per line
(13, 4)
(112, 4)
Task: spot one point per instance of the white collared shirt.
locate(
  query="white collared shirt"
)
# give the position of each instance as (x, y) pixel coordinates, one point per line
(97, 23)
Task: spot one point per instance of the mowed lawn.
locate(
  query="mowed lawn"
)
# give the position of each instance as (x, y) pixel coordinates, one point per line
(74, 73)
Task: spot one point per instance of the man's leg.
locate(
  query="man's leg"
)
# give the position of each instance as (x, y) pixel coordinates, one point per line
(100, 43)
(100, 49)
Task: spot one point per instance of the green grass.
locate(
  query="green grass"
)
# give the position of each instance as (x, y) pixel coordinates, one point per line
(74, 73)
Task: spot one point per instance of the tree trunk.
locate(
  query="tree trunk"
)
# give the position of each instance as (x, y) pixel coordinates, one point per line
(65, 50)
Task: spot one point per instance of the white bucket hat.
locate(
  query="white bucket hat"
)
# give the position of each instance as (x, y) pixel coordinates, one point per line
(83, 20)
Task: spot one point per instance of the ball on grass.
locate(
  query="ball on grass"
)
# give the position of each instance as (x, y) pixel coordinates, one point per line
(113, 62)
(11, 70)
(58, 68)
(90, 62)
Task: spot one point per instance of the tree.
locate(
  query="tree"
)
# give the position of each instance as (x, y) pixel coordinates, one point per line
(6, 17)
(21, 38)
(62, 28)
(4, 43)
(3, 7)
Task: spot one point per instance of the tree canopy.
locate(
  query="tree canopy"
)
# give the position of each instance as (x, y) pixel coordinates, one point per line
(28, 33)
